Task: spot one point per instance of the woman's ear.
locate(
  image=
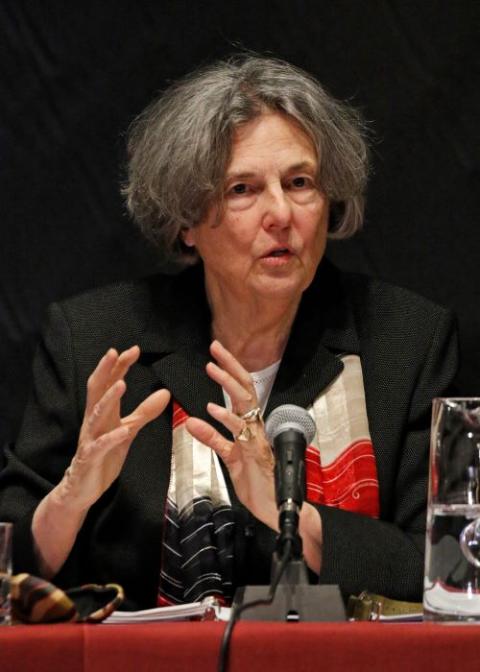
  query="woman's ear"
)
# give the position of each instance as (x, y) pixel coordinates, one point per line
(188, 237)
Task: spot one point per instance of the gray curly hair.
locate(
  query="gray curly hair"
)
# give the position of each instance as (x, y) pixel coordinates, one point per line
(179, 147)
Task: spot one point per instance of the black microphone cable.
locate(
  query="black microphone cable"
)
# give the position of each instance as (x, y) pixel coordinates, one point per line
(236, 611)
(289, 430)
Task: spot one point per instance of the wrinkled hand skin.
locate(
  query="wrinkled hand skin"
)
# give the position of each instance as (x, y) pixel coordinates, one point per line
(105, 437)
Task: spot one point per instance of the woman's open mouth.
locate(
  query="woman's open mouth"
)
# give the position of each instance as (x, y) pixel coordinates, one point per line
(278, 257)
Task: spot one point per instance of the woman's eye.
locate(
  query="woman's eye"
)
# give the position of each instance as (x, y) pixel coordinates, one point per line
(239, 189)
(300, 182)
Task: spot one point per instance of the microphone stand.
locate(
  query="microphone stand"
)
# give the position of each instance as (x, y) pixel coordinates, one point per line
(295, 572)
(295, 600)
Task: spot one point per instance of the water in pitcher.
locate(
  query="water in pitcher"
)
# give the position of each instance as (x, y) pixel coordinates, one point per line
(452, 577)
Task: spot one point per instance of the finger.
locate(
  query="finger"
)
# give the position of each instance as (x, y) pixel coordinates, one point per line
(89, 452)
(228, 362)
(209, 436)
(117, 438)
(106, 412)
(147, 411)
(232, 422)
(98, 379)
(242, 399)
(111, 368)
(124, 362)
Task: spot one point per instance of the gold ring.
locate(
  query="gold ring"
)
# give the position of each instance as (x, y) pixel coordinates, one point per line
(253, 415)
(245, 435)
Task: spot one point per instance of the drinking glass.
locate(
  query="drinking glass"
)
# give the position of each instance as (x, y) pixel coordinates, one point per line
(452, 559)
(5, 571)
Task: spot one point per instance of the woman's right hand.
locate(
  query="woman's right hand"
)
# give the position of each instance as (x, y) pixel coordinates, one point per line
(105, 437)
(104, 442)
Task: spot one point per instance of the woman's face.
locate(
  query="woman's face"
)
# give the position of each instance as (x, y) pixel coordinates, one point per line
(269, 234)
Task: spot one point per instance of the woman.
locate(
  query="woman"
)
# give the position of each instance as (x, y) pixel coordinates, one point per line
(246, 166)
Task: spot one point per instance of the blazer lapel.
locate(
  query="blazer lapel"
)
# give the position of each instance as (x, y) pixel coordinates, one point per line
(177, 340)
(183, 373)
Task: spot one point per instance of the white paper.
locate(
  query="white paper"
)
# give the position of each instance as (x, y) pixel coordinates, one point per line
(208, 609)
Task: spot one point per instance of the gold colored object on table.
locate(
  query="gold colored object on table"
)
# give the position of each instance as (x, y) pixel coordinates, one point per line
(371, 607)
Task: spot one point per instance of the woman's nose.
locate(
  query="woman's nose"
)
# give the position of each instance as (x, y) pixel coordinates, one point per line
(277, 209)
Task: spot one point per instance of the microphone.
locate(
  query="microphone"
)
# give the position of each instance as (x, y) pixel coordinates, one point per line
(290, 596)
(289, 430)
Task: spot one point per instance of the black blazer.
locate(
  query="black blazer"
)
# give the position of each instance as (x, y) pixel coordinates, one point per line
(407, 347)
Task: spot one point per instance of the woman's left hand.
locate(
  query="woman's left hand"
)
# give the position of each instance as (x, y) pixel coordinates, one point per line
(248, 457)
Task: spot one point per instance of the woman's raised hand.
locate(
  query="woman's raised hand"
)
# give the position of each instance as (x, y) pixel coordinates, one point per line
(104, 442)
(105, 437)
(248, 457)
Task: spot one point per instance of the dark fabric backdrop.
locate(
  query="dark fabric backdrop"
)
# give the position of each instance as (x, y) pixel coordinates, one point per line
(73, 76)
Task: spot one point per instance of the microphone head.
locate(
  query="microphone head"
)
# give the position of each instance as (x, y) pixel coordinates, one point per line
(289, 416)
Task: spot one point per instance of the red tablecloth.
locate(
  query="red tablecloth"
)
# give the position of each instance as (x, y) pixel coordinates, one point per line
(256, 647)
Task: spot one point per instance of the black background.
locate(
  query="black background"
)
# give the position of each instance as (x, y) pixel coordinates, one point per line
(73, 75)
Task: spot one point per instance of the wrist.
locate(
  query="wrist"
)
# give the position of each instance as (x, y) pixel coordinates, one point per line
(310, 529)
(66, 499)
(55, 525)
(269, 516)
(265, 508)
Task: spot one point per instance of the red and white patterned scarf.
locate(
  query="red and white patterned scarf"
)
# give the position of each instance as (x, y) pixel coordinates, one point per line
(197, 553)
